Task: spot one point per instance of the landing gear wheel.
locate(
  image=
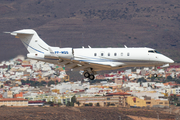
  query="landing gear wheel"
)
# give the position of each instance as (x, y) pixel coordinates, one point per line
(91, 77)
(155, 75)
(86, 75)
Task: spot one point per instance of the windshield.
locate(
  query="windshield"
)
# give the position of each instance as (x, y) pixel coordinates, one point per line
(153, 51)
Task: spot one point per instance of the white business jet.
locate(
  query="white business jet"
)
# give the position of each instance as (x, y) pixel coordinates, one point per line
(89, 60)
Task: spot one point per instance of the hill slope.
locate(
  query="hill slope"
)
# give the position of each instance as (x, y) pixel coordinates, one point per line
(101, 23)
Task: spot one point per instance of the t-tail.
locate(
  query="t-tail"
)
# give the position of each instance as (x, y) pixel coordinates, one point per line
(31, 41)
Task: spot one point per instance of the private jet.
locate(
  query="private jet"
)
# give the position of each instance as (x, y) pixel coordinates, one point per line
(89, 60)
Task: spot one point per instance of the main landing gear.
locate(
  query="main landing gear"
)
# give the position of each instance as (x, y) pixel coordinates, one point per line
(89, 75)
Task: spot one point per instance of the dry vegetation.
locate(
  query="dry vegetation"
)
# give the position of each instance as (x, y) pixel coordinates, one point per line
(82, 113)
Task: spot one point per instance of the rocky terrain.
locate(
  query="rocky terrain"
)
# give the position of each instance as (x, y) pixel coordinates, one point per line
(82, 113)
(102, 23)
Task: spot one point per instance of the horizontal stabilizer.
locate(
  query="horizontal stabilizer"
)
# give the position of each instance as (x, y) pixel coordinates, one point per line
(26, 32)
(7, 32)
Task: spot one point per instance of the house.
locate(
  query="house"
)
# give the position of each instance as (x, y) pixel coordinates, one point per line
(133, 101)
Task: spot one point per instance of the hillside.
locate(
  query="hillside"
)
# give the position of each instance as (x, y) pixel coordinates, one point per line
(82, 113)
(101, 23)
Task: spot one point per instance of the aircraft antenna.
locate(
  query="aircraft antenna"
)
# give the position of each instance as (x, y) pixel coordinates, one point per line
(125, 46)
(82, 39)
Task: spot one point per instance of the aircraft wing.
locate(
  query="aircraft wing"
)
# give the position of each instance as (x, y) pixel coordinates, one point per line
(79, 65)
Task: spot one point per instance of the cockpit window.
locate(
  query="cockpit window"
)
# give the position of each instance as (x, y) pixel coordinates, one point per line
(156, 51)
(153, 51)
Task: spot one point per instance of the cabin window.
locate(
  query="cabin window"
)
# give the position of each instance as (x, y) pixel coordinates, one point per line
(101, 54)
(121, 54)
(95, 54)
(108, 54)
(127, 54)
(115, 54)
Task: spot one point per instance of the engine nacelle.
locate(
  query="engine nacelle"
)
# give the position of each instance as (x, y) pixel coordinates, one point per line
(35, 55)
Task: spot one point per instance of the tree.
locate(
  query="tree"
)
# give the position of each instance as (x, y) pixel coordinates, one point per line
(43, 83)
(73, 99)
(50, 82)
(59, 104)
(71, 104)
(49, 103)
(68, 103)
(90, 104)
(169, 78)
(97, 104)
(78, 103)
(141, 80)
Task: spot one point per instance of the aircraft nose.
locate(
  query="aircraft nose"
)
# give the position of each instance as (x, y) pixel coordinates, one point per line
(170, 61)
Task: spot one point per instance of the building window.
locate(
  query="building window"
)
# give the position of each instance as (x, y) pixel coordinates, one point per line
(127, 54)
(148, 102)
(160, 102)
(101, 54)
(115, 54)
(108, 54)
(121, 54)
(108, 98)
(95, 54)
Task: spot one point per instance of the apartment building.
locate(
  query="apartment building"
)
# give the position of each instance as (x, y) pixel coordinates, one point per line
(13, 102)
(146, 102)
(113, 99)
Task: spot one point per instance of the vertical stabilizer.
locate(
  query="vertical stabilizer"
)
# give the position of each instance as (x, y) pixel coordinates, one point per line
(31, 41)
